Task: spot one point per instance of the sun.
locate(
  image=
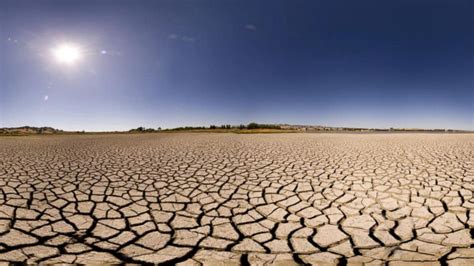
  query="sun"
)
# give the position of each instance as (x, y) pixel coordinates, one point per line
(67, 53)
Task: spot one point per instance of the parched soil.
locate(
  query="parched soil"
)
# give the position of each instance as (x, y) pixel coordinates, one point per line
(237, 199)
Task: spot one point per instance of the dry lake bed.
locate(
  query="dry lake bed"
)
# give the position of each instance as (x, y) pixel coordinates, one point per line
(238, 199)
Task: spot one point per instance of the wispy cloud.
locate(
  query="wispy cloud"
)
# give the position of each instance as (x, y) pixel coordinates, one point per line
(250, 27)
(187, 39)
(183, 38)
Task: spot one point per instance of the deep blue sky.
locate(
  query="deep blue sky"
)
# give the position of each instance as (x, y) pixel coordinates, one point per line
(400, 63)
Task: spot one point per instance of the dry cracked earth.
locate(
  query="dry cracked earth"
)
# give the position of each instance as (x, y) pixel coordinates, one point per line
(194, 199)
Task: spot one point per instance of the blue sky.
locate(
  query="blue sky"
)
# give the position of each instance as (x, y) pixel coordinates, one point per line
(404, 63)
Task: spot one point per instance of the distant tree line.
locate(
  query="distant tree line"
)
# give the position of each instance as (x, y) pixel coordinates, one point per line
(249, 126)
(262, 126)
(185, 128)
(144, 129)
(226, 126)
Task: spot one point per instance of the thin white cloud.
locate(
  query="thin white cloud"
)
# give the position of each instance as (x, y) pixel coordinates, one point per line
(251, 27)
(183, 38)
(187, 39)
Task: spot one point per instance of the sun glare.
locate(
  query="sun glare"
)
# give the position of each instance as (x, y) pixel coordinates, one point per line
(67, 53)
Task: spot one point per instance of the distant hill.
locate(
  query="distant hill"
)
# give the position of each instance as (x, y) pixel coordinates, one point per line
(29, 130)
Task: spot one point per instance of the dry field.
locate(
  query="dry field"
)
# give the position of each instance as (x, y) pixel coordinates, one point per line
(228, 198)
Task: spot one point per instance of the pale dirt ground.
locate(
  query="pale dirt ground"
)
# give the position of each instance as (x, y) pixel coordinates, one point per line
(231, 199)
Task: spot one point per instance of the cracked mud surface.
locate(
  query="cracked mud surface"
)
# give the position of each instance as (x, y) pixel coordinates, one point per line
(238, 199)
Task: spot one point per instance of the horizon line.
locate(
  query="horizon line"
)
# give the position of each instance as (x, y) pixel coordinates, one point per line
(218, 125)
